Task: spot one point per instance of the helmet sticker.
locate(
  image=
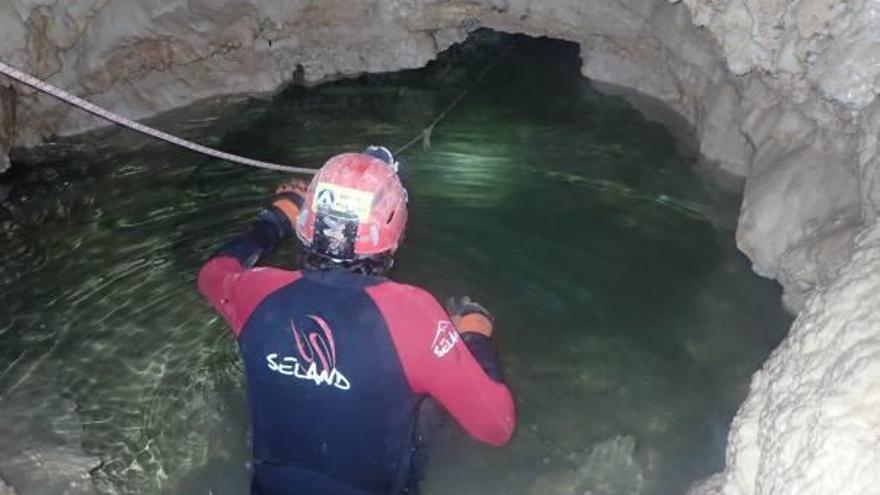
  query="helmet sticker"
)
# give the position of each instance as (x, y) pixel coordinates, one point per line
(345, 200)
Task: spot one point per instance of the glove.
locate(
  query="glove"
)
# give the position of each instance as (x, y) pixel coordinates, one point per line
(469, 316)
(289, 198)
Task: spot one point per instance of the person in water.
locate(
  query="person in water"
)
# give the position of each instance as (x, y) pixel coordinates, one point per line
(342, 363)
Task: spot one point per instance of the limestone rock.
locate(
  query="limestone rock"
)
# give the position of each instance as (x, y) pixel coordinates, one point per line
(41, 450)
(7, 125)
(721, 138)
(5, 489)
(829, 45)
(793, 195)
(869, 161)
(608, 468)
(808, 71)
(810, 424)
(141, 58)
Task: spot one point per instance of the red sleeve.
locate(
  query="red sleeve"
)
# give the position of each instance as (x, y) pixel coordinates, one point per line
(436, 362)
(235, 292)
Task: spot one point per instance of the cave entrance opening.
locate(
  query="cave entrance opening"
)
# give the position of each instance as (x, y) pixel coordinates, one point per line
(629, 325)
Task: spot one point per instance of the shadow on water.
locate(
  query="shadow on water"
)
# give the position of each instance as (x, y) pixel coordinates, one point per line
(628, 323)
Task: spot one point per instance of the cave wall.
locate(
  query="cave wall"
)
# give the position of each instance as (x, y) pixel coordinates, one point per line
(763, 102)
(779, 92)
(810, 424)
(141, 58)
(811, 185)
(8, 102)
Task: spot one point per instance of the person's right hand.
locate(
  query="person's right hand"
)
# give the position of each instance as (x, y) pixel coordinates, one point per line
(469, 316)
(289, 198)
(293, 185)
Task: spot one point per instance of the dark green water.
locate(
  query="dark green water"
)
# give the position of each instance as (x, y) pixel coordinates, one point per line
(628, 323)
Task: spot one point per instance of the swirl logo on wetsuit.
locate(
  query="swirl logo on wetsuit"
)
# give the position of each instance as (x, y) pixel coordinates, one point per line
(317, 357)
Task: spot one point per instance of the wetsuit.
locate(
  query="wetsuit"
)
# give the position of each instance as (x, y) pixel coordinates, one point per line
(337, 365)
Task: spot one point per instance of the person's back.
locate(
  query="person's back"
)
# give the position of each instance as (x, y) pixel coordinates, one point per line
(340, 359)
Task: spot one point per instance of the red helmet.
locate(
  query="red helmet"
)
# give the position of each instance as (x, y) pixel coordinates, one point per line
(355, 206)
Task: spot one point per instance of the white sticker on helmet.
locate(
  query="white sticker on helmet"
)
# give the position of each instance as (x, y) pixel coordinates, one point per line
(339, 199)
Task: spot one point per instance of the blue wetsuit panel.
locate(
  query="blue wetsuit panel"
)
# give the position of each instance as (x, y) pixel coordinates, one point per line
(328, 396)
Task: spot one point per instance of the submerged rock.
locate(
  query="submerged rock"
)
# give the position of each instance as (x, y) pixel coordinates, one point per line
(5, 489)
(609, 468)
(41, 451)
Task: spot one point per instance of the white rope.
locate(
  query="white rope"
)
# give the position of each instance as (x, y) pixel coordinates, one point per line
(425, 134)
(149, 131)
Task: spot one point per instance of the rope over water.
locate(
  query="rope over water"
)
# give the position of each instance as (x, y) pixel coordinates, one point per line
(149, 131)
(425, 134)
(33, 82)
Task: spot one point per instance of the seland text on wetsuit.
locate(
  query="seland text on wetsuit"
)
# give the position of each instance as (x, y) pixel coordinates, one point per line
(337, 364)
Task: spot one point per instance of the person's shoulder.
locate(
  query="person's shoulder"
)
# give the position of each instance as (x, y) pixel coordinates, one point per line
(271, 271)
(269, 275)
(408, 291)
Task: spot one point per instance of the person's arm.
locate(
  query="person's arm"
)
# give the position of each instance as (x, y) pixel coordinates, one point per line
(463, 376)
(222, 275)
(476, 326)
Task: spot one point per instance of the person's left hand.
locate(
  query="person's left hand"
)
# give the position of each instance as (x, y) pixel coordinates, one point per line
(470, 316)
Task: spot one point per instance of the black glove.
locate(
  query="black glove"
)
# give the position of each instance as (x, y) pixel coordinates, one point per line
(290, 196)
(469, 316)
(476, 325)
(459, 306)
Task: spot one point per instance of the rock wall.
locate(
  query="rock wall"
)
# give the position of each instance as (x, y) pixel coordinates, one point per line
(5, 490)
(809, 71)
(760, 87)
(141, 58)
(780, 92)
(810, 425)
(7, 124)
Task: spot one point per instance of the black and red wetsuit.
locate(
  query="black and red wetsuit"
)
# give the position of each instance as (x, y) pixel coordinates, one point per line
(337, 364)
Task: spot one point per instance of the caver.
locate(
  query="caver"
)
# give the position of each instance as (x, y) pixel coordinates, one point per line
(341, 360)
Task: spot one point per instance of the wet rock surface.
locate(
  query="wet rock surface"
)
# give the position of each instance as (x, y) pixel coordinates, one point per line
(810, 424)
(805, 74)
(7, 126)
